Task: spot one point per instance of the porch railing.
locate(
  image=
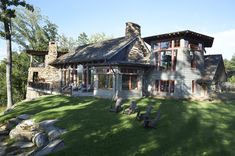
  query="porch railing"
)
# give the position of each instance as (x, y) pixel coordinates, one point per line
(40, 85)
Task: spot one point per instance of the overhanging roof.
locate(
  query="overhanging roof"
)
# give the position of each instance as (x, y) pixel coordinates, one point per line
(207, 40)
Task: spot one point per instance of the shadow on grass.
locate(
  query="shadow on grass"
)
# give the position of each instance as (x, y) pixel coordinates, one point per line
(185, 128)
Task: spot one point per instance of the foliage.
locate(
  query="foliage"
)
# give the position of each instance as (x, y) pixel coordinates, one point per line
(20, 72)
(69, 43)
(232, 79)
(7, 12)
(186, 127)
(31, 30)
(230, 64)
(66, 43)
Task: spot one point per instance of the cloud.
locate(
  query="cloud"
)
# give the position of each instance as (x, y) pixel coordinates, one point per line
(224, 43)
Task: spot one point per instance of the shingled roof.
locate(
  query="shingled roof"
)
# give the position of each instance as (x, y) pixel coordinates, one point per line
(99, 51)
(211, 64)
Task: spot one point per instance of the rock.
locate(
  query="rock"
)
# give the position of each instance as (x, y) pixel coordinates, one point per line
(40, 139)
(19, 134)
(53, 132)
(23, 144)
(53, 146)
(12, 123)
(24, 116)
(4, 132)
(24, 131)
(2, 150)
(28, 125)
(47, 123)
(13, 152)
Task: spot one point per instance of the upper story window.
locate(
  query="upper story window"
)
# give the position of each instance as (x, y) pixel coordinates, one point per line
(165, 45)
(166, 60)
(177, 43)
(194, 46)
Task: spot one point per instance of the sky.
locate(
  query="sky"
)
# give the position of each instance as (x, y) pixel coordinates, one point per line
(210, 17)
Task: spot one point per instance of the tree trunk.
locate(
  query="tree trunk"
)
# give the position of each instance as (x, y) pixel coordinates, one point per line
(8, 65)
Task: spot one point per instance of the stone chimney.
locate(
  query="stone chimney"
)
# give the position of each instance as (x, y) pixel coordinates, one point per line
(52, 53)
(132, 29)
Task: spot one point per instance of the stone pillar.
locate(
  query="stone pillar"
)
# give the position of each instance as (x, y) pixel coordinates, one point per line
(52, 53)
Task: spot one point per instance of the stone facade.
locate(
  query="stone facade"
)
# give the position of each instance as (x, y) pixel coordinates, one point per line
(48, 76)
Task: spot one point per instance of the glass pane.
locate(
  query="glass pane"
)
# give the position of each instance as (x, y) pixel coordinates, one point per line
(125, 82)
(134, 82)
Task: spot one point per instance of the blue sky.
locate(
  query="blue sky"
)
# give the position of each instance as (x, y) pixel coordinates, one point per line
(210, 17)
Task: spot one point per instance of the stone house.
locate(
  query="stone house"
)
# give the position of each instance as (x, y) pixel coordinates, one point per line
(175, 66)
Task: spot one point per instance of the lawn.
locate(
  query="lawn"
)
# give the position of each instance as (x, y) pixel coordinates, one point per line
(186, 127)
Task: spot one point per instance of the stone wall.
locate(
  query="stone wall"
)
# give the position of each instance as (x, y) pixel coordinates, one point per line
(49, 75)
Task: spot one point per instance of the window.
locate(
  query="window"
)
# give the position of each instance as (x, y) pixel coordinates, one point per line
(165, 60)
(165, 45)
(35, 76)
(177, 43)
(105, 81)
(165, 86)
(129, 82)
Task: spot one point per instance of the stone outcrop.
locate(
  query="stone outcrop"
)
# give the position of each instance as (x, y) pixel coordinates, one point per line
(38, 138)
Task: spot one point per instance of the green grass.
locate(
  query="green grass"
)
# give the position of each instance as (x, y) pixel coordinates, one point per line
(186, 127)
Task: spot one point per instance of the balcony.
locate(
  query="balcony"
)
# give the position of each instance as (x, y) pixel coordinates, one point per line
(40, 85)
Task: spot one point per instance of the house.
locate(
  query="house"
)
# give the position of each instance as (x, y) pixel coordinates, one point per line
(175, 66)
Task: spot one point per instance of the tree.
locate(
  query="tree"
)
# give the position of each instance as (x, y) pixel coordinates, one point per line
(66, 43)
(31, 30)
(7, 12)
(97, 37)
(20, 65)
(69, 44)
(230, 64)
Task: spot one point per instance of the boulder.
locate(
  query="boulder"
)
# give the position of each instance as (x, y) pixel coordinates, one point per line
(47, 123)
(20, 134)
(23, 144)
(40, 139)
(24, 131)
(23, 116)
(4, 132)
(53, 146)
(54, 133)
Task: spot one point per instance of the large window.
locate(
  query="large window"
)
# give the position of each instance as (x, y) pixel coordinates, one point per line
(105, 81)
(129, 82)
(165, 60)
(165, 86)
(177, 43)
